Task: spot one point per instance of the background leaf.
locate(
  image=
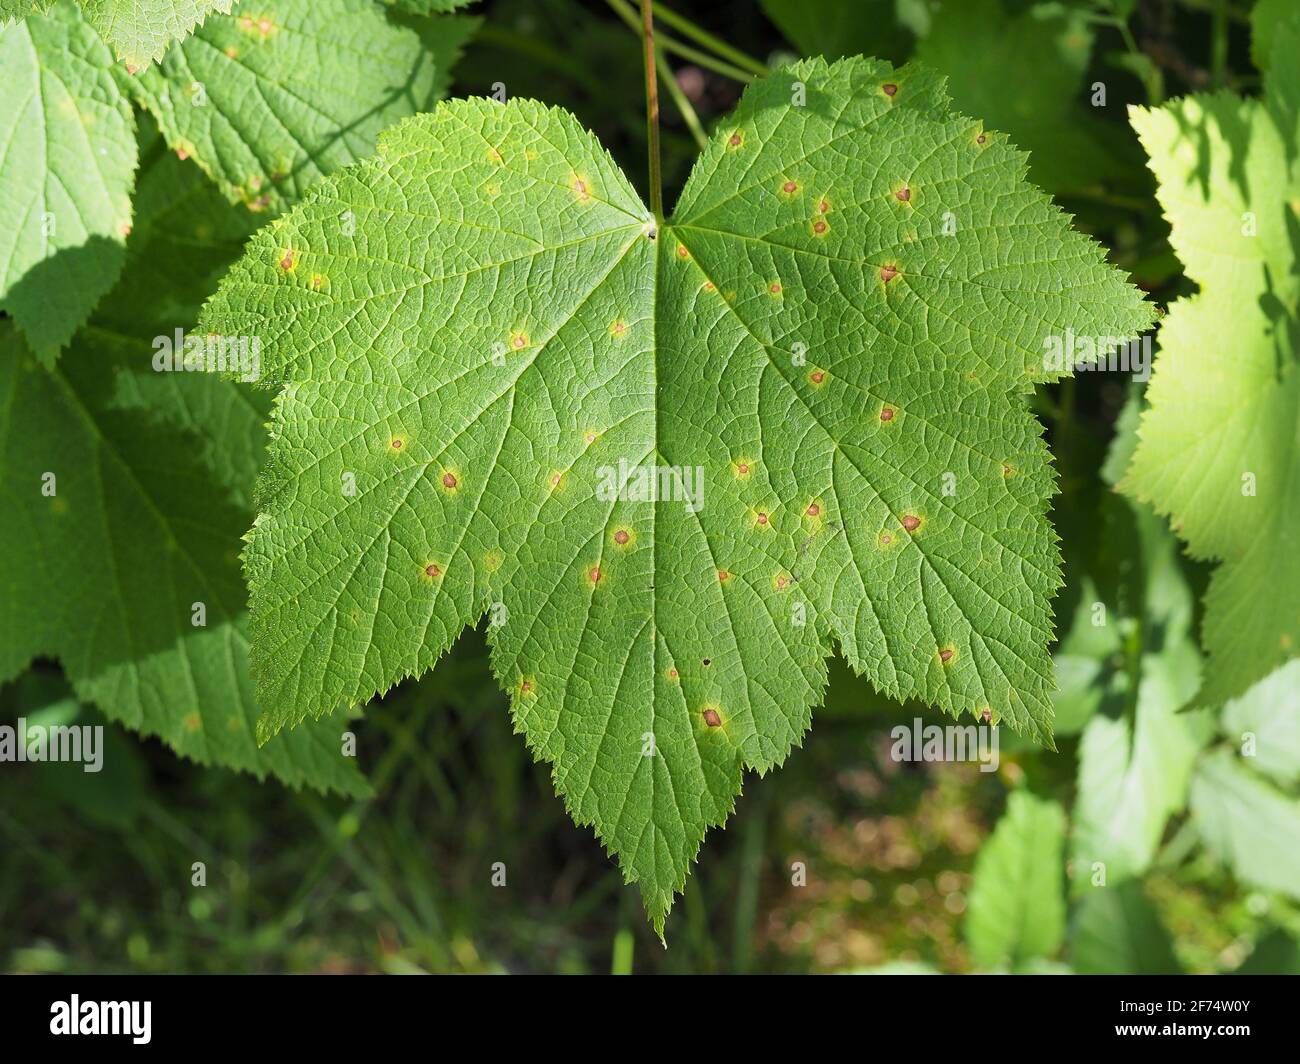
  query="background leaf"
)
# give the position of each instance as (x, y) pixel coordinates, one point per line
(835, 30)
(1247, 823)
(67, 164)
(1017, 898)
(152, 477)
(1270, 713)
(1116, 931)
(269, 100)
(139, 31)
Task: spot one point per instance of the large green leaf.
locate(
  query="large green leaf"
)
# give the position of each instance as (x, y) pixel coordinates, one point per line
(102, 566)
(67, 161)
(1017, 898)
(268, 100)
(820, 349)
(1220, 446)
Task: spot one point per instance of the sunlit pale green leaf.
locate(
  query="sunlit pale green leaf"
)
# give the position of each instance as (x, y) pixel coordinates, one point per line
(1265, 724)
(1219, 449)
(1247, 823)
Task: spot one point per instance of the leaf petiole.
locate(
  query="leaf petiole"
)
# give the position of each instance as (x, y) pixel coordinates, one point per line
(652, 109)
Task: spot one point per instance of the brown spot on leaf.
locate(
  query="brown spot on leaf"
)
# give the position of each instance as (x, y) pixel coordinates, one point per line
(911, 522)
(886, 413)
(449, 481)
(712, 718)
(888, 273)
(621, 537)
(889, 88)
(904, 194)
